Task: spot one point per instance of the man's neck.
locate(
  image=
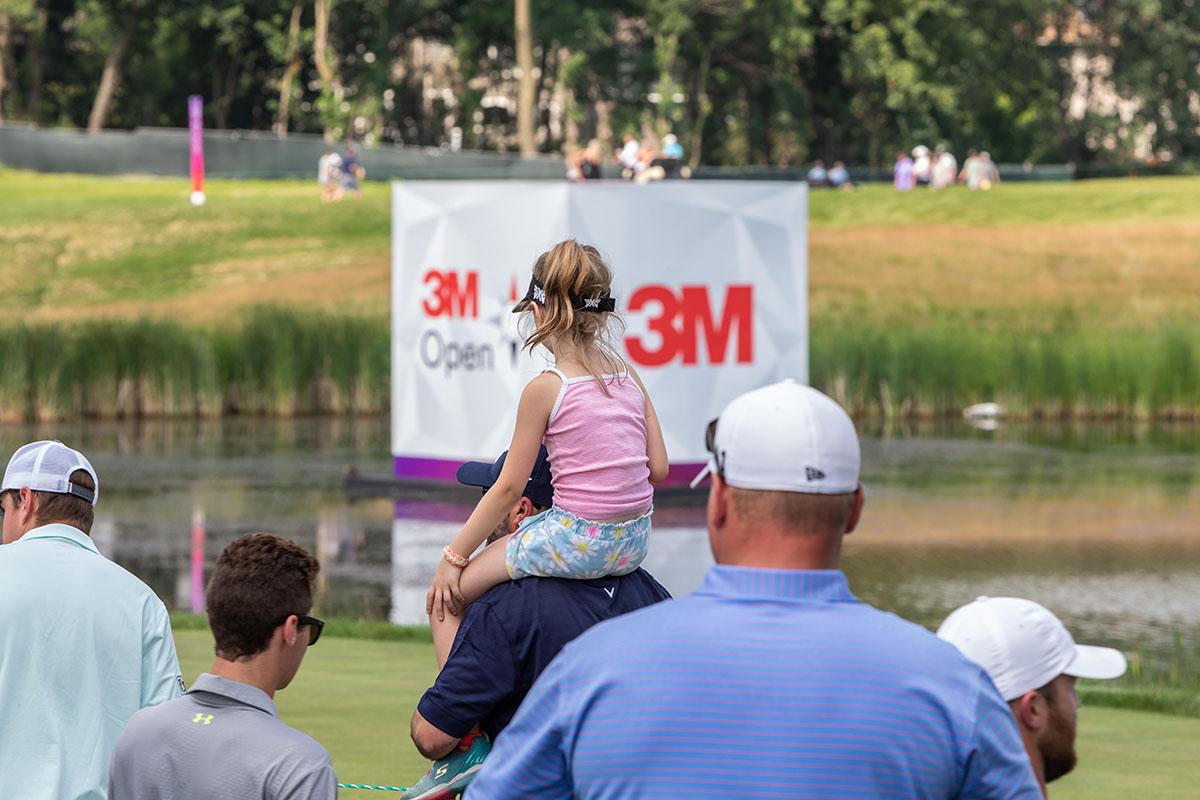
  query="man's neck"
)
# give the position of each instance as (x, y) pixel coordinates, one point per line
(1035, 757)
(251, 671)
(786, 550)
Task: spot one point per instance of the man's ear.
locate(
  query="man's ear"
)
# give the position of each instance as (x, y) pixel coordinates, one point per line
(1032, 711)
(30, 503)
(289, 631)
(524, 509)
(719, 502)
(856, 514)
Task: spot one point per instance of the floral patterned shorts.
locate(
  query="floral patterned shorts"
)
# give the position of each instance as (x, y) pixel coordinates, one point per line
(558, 544)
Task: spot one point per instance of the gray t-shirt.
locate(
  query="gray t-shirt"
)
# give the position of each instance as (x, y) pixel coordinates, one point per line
(223, 740)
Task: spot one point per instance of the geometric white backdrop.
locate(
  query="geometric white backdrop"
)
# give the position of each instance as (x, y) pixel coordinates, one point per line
(710, 278)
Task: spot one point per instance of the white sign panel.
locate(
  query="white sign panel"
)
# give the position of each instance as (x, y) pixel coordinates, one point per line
(710, 280)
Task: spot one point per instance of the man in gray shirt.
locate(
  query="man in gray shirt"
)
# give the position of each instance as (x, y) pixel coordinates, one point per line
(223, 739)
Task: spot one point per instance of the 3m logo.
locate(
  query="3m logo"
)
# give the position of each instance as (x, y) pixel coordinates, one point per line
(205, 718)
(684, 319)
(448, 297)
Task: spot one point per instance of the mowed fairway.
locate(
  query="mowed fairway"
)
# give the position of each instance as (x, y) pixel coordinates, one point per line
(1116, 254)
(356, 697)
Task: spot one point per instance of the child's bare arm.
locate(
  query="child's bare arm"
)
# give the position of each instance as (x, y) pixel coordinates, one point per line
(656, 448)
(533, 414)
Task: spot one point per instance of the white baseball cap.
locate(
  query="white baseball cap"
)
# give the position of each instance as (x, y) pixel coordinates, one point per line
(46, 466)
(1023, 646)
(785, 437)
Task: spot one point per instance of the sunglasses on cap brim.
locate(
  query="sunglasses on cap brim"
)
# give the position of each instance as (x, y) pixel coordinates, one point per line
(717, 461)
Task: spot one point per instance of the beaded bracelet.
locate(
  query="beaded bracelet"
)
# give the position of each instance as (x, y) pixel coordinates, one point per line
(454, 558)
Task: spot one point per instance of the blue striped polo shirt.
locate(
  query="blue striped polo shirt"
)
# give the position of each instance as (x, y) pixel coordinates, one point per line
(762, 684)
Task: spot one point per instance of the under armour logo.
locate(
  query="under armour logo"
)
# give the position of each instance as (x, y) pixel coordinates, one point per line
(610, 591)
(814, 474)
(205, 718)
(591, 302)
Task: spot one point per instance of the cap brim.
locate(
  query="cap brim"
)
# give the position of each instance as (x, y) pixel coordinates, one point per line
(475, 473)
(1097, 663)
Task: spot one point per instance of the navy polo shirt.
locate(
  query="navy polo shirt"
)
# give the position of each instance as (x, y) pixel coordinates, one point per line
(511, 633)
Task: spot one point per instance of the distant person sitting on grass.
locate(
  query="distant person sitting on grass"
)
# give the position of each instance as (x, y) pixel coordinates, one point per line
(1034, 662)
(329, 172)
(352, 172)
(223, 740)
(817, 176)
(507, 637)
(973, 171)
(839, 176)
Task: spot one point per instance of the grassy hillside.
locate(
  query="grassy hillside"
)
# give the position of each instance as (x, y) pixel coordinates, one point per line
(1074, 299)
(1109, 254)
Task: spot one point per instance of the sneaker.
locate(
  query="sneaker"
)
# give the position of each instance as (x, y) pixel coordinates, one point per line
(450, 775)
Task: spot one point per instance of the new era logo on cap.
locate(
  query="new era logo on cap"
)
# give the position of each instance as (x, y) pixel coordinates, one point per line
(814, 474)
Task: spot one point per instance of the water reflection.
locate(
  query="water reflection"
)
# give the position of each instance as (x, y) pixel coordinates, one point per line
(1098, 522)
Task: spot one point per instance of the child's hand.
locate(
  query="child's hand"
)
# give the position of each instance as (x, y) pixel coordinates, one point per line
(444, 594)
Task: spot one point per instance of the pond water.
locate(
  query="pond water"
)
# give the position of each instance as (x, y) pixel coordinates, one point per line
(1101, 524)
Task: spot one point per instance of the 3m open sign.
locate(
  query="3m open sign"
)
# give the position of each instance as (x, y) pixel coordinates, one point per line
(684, 323)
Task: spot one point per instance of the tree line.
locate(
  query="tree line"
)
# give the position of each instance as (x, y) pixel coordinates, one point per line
(738, 81)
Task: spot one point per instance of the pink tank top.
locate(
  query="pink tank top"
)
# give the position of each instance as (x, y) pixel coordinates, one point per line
(597, 448)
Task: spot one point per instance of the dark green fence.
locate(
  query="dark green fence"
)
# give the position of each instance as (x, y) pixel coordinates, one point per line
(256, 154)
(244, 154)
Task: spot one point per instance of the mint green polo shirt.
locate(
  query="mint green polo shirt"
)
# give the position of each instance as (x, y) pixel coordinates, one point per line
(83, 645)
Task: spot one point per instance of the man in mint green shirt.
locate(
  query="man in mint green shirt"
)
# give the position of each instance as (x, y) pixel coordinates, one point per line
(83, 643)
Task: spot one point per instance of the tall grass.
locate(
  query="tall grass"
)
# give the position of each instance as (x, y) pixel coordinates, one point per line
(283, 362)
(934, 370)
(272, 362)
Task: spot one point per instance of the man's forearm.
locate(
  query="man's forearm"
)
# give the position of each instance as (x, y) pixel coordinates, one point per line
(430, 741)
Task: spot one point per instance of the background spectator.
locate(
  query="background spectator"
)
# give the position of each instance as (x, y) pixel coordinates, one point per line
(902, 173)
(817, 177)
(83, 643)
(922, 165)
(223, 740)
(839, 177)
(1032, 659)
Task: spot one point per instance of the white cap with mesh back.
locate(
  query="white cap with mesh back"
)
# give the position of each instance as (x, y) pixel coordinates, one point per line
(1022, 646)
(46, 466)
(786, 437)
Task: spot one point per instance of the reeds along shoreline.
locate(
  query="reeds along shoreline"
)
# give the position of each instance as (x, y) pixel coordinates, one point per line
(937, 370)
(278, 362)
(275, 362)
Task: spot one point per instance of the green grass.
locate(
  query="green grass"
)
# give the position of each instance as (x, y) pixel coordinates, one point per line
(1058, 299)
(1065, 203)
(356, 696)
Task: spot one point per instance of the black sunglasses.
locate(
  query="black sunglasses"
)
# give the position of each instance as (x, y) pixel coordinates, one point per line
(315, 624)
(710, 444)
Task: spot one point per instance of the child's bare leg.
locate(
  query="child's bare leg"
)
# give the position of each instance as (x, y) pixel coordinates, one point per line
(484, 572)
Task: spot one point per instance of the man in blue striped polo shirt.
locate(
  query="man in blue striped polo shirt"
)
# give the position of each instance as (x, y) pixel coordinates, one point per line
(771, 680)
